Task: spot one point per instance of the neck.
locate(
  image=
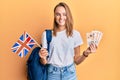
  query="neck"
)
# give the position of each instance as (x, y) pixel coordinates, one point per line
(61, 28)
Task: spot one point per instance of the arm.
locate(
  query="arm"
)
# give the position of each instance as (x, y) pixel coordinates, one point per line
(43, 51)
(80, 58)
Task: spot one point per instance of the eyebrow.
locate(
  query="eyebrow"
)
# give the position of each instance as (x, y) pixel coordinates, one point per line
(60, 13)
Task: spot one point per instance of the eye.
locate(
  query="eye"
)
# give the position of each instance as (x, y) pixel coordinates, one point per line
(57, 14)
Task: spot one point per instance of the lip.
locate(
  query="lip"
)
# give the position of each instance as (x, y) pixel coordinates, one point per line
(61, 21)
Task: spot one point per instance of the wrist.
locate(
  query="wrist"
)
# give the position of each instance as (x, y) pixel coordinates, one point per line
(85, 54)
(43, 60)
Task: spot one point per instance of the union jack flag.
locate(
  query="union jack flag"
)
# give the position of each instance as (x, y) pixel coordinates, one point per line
(23, 45)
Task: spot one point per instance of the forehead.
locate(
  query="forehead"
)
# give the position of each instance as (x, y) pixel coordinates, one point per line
(60, 9)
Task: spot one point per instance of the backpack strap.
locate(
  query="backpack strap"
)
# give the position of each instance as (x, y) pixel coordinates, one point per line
(48, 37)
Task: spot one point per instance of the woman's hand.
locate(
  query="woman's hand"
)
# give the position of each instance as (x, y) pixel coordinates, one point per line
(91, 49)
(43, 53)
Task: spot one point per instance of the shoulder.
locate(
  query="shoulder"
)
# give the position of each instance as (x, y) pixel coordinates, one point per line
(75, 32)
(47, 30)
(44, 33)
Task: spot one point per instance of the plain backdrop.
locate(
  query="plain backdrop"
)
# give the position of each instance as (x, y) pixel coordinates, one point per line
(34, 16)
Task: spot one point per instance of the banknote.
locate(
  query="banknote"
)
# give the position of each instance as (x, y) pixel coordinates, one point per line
(94, 37)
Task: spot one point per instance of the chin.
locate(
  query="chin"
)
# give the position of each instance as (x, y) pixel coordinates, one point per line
(62, 24)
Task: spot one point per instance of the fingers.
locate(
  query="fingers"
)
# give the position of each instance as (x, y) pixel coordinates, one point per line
(43, 50)
(93, 47)
(43, 53)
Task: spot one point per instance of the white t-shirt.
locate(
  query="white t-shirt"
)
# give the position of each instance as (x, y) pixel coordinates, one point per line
(61, 51)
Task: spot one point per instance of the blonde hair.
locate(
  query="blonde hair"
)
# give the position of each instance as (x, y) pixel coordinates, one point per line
(69, 20)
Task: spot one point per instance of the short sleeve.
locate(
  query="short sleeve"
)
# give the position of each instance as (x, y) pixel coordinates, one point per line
(43, 40)
(77, 39)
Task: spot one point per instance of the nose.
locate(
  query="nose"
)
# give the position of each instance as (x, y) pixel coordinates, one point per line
(61, 16)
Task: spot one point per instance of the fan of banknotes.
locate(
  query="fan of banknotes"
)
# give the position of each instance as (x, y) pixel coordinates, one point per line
(94, 37)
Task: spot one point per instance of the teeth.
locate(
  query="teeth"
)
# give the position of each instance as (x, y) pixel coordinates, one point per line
(61, 21)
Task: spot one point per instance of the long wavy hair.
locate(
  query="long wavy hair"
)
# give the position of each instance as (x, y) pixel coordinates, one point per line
(69, 20)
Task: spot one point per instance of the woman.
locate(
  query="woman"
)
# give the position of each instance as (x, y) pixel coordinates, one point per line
(64, 47)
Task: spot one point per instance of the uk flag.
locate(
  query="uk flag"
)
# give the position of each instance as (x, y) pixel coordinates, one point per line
(23, 45)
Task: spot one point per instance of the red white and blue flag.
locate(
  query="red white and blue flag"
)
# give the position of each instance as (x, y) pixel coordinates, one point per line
(23, 45)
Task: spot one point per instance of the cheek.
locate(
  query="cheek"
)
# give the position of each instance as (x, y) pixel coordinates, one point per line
(56, 18)
(65, 17)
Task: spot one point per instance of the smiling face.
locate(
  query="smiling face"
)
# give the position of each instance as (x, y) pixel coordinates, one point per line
(60, 16)
(62, 19)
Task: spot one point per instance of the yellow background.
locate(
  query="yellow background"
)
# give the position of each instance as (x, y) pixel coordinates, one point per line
(34, 16)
